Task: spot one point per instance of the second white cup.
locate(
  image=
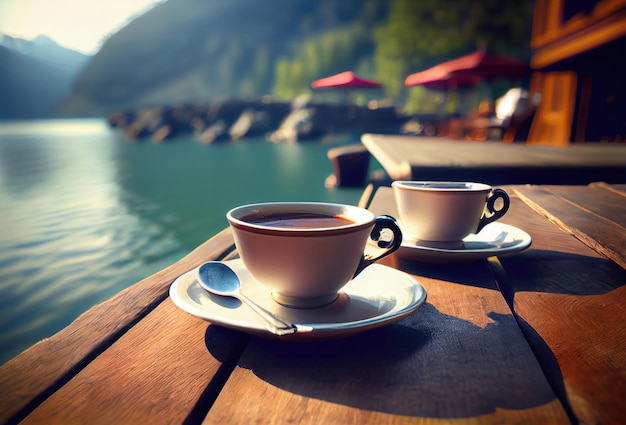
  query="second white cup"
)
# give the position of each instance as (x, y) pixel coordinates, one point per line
(447, 211)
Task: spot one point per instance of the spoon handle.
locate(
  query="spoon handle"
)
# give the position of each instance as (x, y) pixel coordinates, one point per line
(272, 323)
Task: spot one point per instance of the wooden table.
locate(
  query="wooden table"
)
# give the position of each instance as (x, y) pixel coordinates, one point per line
(537, 337)
(497, 163)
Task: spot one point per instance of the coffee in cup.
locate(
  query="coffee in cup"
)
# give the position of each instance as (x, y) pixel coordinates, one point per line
(304, 252)
(447, 212)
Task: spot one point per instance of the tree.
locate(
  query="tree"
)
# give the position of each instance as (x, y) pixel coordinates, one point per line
(347, 48)
(420, 34)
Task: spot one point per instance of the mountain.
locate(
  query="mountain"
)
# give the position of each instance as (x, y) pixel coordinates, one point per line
(199, 50)
(36, 76)
(45, 50)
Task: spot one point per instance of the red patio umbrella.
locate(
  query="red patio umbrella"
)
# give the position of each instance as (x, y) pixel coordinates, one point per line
(346, 79)
(467, 70)
(488, 66)
(438, 79)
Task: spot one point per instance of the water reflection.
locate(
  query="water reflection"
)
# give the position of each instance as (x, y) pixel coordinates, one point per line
(86, 213)
(23, 165)
(67, 238)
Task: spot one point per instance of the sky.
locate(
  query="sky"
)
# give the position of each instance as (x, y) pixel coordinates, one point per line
(82, 25)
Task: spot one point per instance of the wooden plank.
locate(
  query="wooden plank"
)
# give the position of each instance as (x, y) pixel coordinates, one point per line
(559, 282)
(600, 200)
(435, 151)
(396, 166)
(612, 208)
(461, 357)
(29, 378)
(449, 360)
(366, 196)
(166, 369)
(277, 405)
(424, 158)
(595, 215)
(570, 302)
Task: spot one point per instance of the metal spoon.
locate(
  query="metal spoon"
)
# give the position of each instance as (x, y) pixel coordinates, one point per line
(219, 279)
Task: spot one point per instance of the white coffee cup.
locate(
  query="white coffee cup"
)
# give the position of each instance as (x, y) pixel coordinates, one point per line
(447, 211)
(304, 252)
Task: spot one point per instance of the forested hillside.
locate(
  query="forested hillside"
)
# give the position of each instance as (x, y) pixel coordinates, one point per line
(195, 50)
(421, 34)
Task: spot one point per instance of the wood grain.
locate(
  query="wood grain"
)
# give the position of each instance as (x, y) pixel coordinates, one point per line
(537, 337)
(280, 406)
(567, 296)
(157, 371)
(460, 358)
(29, 378)
(570, 302)
(594, 214)
(496, 163)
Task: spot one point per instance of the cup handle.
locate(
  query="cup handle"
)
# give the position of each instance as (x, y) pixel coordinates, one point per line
(378, 248)
(494, 214)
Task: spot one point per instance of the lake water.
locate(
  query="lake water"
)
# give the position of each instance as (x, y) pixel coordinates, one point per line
(84, 213)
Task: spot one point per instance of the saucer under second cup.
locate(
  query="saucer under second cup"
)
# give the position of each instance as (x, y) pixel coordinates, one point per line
(495, 239)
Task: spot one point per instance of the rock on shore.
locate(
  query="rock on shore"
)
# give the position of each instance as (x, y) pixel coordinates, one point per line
(278, 121)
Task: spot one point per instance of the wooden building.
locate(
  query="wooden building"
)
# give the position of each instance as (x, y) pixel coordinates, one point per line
(579, 64)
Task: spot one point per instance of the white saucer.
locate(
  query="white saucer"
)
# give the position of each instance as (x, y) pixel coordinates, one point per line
(377, 296)
(496, 239)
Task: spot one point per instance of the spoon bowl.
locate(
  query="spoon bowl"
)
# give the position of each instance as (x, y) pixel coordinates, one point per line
(219, 279)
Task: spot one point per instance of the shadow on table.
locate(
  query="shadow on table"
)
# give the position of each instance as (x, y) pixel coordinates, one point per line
(568, 276)
(428, 365)
(538, 270)
(472, 273)
(534, 270)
